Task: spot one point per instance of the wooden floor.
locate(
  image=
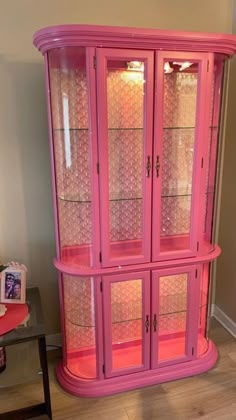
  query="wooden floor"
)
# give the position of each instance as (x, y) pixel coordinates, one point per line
(207, 396)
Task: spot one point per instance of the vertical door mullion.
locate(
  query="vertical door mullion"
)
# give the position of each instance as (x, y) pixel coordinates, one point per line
(142, 254)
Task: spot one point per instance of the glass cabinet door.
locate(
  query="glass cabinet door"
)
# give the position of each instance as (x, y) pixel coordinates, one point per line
(125, 114)
(126, 323)
(175, 296)
(181, 85)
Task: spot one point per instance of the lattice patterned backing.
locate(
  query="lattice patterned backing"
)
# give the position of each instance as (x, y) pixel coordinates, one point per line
(173, 303)
(75, 223)
(125, 220)
(125, 164)
(180, 98)
(175, 215)
(125, 91)
(126, 309)
(71, 150)
(177, 170)
(125, 146)
(69, 98)
(180, 95)
(79, 312)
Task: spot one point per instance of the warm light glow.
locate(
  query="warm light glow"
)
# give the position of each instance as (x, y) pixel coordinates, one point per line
(135, 65)
(184, 65)
(167, 68)
(135, 76)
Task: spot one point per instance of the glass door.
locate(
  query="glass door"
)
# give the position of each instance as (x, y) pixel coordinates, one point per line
(181, 85)
(126, 323)
(175, 297)
(125, 114)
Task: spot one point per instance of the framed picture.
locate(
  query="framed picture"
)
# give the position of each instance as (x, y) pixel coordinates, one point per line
(13, 284)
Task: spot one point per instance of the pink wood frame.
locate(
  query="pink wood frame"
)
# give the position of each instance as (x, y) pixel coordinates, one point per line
(191, 312)
(84, 388)
(90, 53)
(102, 56)
(202, 60)
(123, 37)
(81, 271)
(107, 281)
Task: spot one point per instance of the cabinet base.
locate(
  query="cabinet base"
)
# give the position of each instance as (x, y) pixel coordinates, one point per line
(95, 388)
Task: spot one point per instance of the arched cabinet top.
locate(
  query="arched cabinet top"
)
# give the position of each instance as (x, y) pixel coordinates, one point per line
(123, 37)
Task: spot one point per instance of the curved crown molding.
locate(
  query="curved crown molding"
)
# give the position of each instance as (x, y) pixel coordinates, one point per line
(122, 37)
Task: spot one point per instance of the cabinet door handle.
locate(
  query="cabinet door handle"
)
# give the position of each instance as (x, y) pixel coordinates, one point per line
(155, 323)
(158, 165)
(147, 323)
(148, 166)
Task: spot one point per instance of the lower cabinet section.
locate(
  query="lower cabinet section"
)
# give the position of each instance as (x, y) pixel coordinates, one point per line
(146, 323)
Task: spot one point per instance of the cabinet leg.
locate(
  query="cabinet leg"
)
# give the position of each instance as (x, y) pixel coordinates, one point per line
(44, 367)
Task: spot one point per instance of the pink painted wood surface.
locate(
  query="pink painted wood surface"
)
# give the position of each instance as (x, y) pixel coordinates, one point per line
(123, 37)
(103, 55)
(93, 157)
(75, 270)
(84, 388)
(113, 356)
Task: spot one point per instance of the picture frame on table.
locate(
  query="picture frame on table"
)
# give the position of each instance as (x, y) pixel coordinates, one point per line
(13, 285)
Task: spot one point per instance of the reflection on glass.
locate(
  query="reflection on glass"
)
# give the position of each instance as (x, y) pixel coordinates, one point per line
(69, 96)
(180, 99)
(125, 103)
(172, 316)
(80, 325)
(212, 152)
(126, 318)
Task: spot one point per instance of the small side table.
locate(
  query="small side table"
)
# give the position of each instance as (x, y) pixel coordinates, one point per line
(33, 330)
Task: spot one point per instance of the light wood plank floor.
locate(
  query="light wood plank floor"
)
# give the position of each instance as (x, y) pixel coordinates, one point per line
(211, 395)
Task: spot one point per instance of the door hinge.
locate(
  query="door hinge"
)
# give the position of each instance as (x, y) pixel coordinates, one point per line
(207, 65)
(197, 246)
(98, 168)
(202, 163)
(94, 62)
(101, 287)
(192, 351)
(103, 368)
(100, 256)
(196, 272)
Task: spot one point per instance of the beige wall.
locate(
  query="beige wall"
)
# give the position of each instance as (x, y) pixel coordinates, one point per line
(225, 296)
(26, 218)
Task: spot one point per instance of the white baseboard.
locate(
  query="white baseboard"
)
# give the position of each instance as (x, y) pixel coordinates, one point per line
(224, 320)
(53, 341)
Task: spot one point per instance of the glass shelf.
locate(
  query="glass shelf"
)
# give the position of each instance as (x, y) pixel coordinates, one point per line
(74, 200)
(132, 128)
(70, 129)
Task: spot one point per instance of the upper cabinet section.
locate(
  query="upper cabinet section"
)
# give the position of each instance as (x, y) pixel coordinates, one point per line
(134, 124)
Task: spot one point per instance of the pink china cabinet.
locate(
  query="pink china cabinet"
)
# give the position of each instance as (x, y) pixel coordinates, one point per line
(134, 125)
